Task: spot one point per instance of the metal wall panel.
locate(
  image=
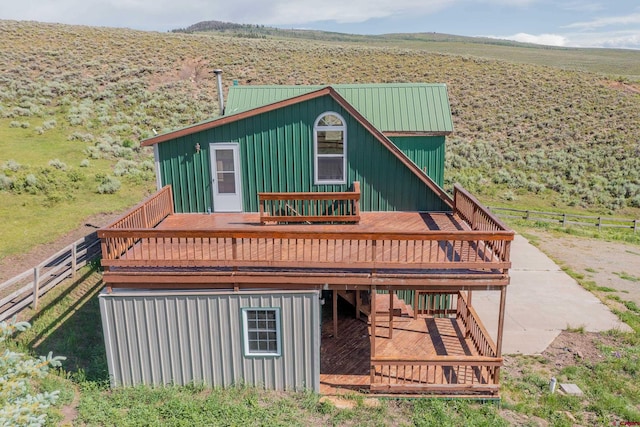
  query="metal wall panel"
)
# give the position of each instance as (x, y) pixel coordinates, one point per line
(428, 152)
(276, 151)
(157, 337)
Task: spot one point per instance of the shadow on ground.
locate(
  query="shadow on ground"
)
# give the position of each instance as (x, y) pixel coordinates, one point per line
(68, 324)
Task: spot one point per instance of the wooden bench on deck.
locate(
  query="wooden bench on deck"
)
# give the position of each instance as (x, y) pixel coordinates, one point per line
(311, 207)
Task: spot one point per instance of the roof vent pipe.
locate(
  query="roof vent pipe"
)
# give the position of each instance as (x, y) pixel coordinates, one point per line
(218, 73)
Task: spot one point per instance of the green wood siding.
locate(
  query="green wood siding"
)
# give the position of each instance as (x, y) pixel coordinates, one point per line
(425, 151)
(276, 150)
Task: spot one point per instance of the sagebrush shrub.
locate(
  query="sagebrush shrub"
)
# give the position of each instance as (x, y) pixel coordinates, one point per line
(108, 184)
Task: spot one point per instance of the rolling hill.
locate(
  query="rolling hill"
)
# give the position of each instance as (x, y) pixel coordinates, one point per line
(75, 102)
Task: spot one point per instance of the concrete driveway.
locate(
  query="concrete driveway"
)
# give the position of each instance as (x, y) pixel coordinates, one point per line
(542, 300)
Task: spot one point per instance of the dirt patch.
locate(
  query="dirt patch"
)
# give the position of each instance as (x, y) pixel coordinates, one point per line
(70, 411)
(625, 87)
(572, 347)
(13, 265)
(614, 267)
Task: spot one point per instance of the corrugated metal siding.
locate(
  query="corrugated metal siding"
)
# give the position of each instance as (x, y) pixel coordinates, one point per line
(276, 150)
(157, 338)
(428, 152)
(394, 107)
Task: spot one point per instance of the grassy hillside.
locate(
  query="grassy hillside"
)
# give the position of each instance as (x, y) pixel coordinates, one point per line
(76, 101)
(617, 62)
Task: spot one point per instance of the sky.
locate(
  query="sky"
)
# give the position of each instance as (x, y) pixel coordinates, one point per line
(574, 23)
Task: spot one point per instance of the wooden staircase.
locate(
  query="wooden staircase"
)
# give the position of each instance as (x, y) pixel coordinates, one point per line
(400, 308)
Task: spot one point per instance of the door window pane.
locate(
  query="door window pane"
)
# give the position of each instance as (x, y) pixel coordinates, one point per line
(224, 160)
(226, 183)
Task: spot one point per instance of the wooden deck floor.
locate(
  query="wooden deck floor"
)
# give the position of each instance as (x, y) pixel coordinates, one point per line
(378, 222)
(345, 361)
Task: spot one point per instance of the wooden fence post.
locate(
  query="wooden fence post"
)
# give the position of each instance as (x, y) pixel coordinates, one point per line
(564, 219)
(74, 260)
(599, 223)
(635, 225)
(36, 280)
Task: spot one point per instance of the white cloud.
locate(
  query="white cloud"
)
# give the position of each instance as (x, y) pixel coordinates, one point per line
(543, 39)
(613, 39)
(606, 22)
(581, 6)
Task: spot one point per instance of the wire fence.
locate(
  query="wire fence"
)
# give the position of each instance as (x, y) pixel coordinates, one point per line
(27, 287)
(566, 220)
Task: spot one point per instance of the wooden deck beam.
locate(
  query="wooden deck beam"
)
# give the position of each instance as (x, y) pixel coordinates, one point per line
(301, 280)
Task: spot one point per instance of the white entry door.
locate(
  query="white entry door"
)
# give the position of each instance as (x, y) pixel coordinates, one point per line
(225, 177)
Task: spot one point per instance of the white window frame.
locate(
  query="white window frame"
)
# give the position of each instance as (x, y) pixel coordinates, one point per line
(245, 332)
(343, 129)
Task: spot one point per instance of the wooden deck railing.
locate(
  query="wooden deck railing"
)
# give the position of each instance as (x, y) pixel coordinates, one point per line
(290, 249)
(310, 206)
(481, 219)
(145, 215)
(132, 241)
(474, 329)
(454, 374)
(149, 213)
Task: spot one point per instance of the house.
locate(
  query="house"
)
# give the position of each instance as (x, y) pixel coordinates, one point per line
(303, 240)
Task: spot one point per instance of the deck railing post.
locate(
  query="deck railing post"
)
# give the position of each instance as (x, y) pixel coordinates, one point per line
(145, 217)
(171, 207)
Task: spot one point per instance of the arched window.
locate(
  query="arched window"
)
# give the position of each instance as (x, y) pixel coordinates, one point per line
(330, 149)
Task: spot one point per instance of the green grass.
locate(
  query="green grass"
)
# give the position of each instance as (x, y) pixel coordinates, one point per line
(627, 276)
(28, 221)
(33, 216)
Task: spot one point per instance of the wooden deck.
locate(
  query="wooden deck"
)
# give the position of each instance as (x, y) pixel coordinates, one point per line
(467, 246)
(346, 360)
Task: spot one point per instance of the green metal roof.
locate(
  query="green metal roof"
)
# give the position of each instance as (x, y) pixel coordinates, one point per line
(394, 107)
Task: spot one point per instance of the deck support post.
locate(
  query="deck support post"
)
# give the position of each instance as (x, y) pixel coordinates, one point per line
(357, 303)
(503, 299)
(335, 313)
(373, 320)
(391, 293)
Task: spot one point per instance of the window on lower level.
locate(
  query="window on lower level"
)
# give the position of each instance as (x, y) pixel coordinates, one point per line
(261, 331)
